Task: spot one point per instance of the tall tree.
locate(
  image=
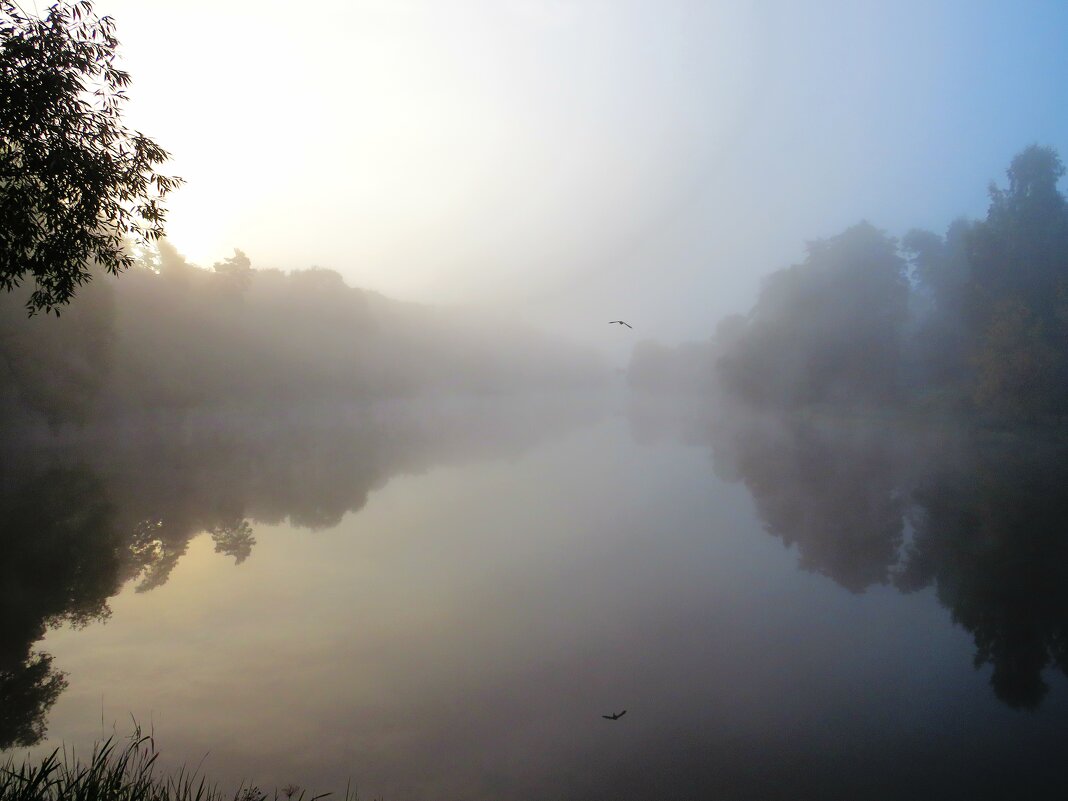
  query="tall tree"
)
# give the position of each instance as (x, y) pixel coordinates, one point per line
(829, 329)
(1017, 301)
(76, 185)
(1021, 248)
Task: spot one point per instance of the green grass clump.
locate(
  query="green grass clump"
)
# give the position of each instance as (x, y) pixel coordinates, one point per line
(123, 773)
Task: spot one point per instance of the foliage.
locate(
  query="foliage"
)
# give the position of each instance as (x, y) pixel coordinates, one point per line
(130, 772)
(75, 183)
(237, 268)
(1015, 298)
(171, 335)
(1017, 365)
(974, 321)
(825, 330)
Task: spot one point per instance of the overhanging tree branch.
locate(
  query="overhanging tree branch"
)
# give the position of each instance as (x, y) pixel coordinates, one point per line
(76, 185)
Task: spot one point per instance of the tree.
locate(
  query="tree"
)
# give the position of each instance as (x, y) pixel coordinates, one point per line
(1021, 246)
(940, 352)
(1017, 294)
(76, 185)
(827, 330)
(236, 270)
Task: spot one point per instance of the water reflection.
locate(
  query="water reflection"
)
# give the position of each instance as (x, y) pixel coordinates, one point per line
(990, 535)
(62, 560)
(980, 516)
(84, 512)
(464, 633)
(834, 493)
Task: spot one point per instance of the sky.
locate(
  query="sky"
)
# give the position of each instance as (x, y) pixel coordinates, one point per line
(577, 162)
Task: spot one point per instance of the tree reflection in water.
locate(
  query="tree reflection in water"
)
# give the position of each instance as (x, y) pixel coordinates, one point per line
(991, 537)
(61, 561)
(84, 512)
(987, 513)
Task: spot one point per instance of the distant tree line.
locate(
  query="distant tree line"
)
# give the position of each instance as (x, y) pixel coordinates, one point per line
(170, 335)
(975, 320)
(962, 328)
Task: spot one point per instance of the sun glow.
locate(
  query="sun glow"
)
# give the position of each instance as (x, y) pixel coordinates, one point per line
(423, 149)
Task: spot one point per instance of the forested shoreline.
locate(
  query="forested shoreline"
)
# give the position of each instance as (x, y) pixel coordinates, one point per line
(896, 411)
(971, 322)
(168, 334)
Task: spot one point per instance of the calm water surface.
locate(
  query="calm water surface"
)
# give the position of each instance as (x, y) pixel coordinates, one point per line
(442, 603)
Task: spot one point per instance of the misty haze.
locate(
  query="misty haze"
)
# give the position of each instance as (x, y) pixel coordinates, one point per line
(533, 400)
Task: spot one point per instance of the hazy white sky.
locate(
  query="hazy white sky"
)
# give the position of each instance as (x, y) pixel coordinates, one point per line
(586, 160)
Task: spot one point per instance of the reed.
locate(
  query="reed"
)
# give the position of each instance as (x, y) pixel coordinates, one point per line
(126, 771)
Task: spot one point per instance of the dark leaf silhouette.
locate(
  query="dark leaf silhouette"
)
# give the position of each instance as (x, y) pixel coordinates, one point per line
(75, 183)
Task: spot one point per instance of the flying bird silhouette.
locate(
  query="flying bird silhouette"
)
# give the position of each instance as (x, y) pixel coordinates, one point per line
(620, 322)
(615, 716)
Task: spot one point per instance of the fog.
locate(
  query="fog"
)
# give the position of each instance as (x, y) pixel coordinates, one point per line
(369, 594)
(969, 323)
(118, 502)
(351, 475)
(170, 336)
(576, 162)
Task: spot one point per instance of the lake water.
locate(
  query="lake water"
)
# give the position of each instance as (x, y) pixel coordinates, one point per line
(442, 602)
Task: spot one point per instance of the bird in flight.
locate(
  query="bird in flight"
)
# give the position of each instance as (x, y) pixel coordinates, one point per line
(615, 716)
(620, 322)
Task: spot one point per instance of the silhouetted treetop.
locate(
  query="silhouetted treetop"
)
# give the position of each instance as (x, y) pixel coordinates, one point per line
(76, 185)
(1033, 176)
